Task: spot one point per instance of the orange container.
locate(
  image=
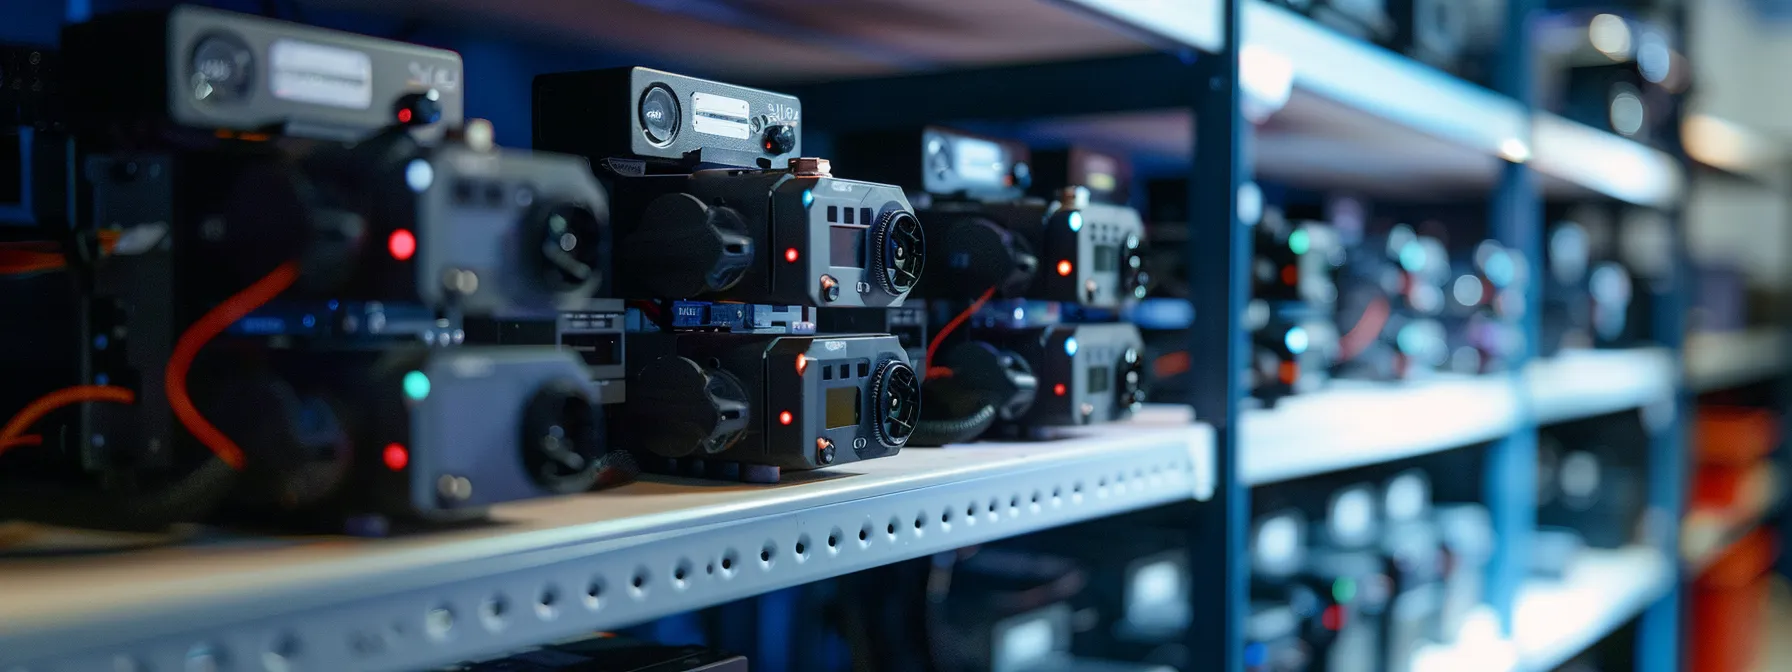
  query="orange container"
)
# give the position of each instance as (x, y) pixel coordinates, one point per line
(1728, 603)
(1735, 435)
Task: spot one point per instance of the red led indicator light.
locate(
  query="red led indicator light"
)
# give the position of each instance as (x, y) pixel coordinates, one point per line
(802, 364)
(404, 115)
(790, 254)
(785, 418)
(402, 244)
(1290, 276)
(396, 457)
(1333, 618)
(1058, 389)
(1064, 267)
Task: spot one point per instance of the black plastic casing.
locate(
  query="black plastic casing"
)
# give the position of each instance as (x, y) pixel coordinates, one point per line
(598, 114)
(1083, 385)
(782, 212)
(136, 68)
(1096, 251)
(344, 434)
(767, 369)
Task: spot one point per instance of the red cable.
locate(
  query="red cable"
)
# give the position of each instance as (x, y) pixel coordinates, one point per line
(940, 336)
(1361, 335)
(13, 434)
(203, 330)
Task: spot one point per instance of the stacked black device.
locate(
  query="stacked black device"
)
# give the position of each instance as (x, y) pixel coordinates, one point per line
(284, 235)
(727, 244)
(1024, 292)
(1293, 301)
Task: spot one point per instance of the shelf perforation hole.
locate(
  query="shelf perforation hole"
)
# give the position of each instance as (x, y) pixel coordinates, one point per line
(637, 584)
(994, 504)
(767, 555)
(594, 593)
(1057, 495)
(280, 655)
(493, 612)
(547, 603)
(802, 548)
(891, 528)
(728, 561)
(865, 535)
(681, 573)
(438, 622)
(834, 537)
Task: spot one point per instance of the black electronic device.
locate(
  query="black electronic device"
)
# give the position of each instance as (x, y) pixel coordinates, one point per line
(1484, 302)
(1084, 373)
(211, 70)
(907, 323)
(1462, 37)
(1592, 481)
(1612, 70)
(1412, 544)
(34, 152)
(635, 119)
(982, 236)
(1391, 293)
(1107, 177)
(453, 225)
(610, 653)
(768, 402)
(593, 333)
(797, 236)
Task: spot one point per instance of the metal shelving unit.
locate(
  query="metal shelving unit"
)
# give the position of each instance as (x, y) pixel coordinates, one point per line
(554, 568)
(1134, 75)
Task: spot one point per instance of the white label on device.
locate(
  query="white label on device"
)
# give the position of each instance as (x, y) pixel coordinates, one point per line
(719, 115)
(323, 75)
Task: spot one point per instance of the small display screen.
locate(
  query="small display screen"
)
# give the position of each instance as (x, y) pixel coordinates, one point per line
(320, 74)
(1107, 258)
(848, 243)
(843, 407)
(980, 161)
(1099, 379)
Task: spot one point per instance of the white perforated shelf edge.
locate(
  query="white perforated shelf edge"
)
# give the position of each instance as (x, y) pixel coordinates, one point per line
(559, 567)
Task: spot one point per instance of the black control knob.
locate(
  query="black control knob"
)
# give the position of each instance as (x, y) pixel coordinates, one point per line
(562, 438)
(1135, 281)
(896, 393)
(687, 248)
(1129, 381)
(570, 238)
(779, 139)
(222, 69)
(418, 109)
(898, 252)
(998, 378)
(677, 408)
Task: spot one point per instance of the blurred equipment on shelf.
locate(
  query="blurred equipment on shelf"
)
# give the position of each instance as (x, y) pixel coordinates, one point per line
(984, 235)
(1107, 177)
(639, 120)
(34, 181)
(610, 653)
(1591, 478)
(1728, 603)
(1615, 71)
(1291, 317)
(748, 406)
(1486, 304)
(728, 223)
(1391, 294)
(1586, 298)
(277, 282)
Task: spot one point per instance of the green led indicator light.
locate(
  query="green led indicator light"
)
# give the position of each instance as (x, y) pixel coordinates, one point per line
(1298, 242)
(1343, 591)
(416, 385)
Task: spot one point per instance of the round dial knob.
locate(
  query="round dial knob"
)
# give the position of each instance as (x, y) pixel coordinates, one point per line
(562, 438)
(222, 69)
(899, 252)
(896, 391)
(778, 139)
(1135, 281)
(569, 238)
(1129, 379)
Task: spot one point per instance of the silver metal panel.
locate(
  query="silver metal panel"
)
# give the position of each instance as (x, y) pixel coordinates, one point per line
(561, 567)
